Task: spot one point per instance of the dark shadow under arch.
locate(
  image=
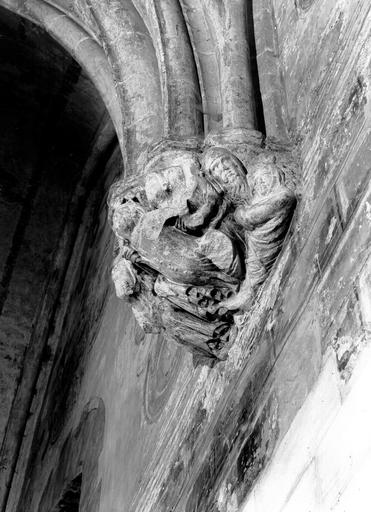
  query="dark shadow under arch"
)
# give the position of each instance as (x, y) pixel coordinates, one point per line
(56, 140)
(74, 485)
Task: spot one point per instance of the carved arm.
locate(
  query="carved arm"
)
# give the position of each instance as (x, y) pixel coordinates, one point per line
(252, 216)
(199, 218)
(130, 254)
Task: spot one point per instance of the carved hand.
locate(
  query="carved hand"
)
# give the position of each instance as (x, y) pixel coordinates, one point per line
(252, 216)
(190, 221)
(130, 254)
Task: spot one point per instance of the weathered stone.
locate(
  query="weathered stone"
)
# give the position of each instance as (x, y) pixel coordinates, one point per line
(197, 237)
(241, 218)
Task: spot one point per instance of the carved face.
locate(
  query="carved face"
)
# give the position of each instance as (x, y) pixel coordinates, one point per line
(226, 169)
(171, 179)
(265, 179)
(126, 217)
(223, 167)
(124, 278)
(163, 185)
(127, 288)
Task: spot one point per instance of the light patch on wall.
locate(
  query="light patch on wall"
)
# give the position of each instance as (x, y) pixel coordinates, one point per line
(227, 500)
(365, 295)
(330, 230)
(368, 211)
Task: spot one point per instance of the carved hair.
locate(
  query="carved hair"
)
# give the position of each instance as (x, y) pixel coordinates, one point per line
(235, 186)
(265, 164)
(212, 154)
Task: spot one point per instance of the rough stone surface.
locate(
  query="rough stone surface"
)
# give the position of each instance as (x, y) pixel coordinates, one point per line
(197, 236)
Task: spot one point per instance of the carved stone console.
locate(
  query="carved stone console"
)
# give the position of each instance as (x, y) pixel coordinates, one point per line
(197, 235)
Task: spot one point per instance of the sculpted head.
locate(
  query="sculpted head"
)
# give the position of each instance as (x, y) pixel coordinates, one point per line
(125, 217)
(162, 185)
(266, 176)
(221, 165)
(170, 179)
(124, 277)
(125, 207)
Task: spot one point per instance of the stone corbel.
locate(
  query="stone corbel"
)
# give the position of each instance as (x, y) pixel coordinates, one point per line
(198, 231)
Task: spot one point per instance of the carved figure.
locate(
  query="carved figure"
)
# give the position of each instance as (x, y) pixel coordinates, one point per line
(227, 175)
(136, 285)
(221, 186)
(175, 187)
(196, 243)
(167, 278)
(178, 256)
(265, 220)
(133, 280)
(124, 276)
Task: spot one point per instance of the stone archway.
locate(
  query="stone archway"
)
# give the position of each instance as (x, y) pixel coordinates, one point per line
(79, 42)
